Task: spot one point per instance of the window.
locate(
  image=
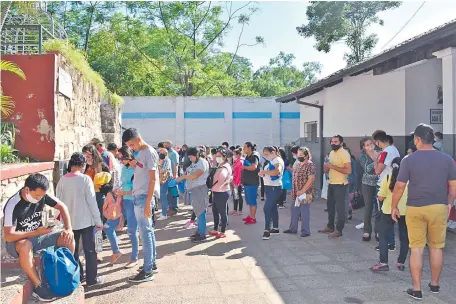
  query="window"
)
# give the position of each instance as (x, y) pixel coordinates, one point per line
(310, 131)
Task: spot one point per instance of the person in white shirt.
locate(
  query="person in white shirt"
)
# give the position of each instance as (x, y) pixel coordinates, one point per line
(382, 165)
(272, 176)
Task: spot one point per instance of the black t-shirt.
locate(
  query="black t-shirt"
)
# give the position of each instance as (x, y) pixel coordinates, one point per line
(251, 177)
(25, 215)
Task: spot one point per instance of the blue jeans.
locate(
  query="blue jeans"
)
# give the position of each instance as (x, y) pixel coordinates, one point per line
(202, 223)
(165, 197)
(146, 231)
(132, 227)
(272, 194)
(110, 230)
(377, 214)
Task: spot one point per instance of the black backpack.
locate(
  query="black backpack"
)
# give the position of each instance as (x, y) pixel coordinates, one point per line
(210, 178)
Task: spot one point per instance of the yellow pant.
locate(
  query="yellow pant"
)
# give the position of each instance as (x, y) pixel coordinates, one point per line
(427, 223)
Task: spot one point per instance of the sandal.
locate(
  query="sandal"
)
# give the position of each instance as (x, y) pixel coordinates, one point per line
(114, 258)
(213, 233)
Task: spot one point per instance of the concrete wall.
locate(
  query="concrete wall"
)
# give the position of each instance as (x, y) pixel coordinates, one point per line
(421, 87)
(212, 120)
(51, 125)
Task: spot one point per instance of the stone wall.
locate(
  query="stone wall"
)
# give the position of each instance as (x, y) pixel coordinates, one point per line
(12, 180)
(78, 118)
(110, 123)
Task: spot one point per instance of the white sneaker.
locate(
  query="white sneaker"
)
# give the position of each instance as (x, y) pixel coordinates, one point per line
(162, 217)
(360, 226)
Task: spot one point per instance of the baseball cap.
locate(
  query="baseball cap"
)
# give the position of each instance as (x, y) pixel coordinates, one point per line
(424, 131)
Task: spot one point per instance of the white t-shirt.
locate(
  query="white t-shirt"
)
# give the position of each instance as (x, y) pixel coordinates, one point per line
(386, 157)
(267, 179)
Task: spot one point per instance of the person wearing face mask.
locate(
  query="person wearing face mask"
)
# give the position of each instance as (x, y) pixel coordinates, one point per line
(272, 175)
(126, 191)
(368, 184)
(303, 183)
(221, 192)
(25, 233)
(78, 193)
(250, 180)
(339, 167)
(195, 183)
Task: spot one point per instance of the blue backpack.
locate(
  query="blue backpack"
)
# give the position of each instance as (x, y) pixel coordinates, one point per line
(60, 271)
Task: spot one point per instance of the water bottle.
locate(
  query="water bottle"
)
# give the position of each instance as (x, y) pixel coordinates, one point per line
(98, 240)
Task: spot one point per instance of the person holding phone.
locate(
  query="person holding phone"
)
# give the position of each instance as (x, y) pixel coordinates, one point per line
(78, 192)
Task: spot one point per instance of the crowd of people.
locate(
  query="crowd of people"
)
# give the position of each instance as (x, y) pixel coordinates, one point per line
(135, 185)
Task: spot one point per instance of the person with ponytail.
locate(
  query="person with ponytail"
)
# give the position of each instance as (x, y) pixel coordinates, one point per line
(385, 195)
(77, 192)
(272, 175)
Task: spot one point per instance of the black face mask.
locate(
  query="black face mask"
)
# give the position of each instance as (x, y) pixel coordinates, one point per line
(301, 159)
(162, 156)
(335, 147)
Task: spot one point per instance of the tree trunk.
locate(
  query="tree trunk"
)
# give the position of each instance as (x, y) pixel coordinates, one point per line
(5, 10)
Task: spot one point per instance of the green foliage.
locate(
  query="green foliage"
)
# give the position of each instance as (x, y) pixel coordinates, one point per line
(6, 102)
(281, 77)
(115, 99)
(77, 61)
(331, 22)
(7, 151)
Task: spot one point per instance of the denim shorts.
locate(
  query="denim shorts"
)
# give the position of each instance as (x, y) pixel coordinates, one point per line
(38, 243)
(250, 192)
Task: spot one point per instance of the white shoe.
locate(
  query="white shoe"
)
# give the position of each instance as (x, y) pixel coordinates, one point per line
(162, 217)
(360, 226)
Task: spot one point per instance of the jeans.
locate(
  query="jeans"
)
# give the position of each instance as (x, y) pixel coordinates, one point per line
(270, 206)
(282, 198)
(370, 196)
(262, 187)
(378, 223)
(146, 231)
(387, 225)
(88, 245)
(238, 202)
(336, 203)
(302, 210)
(166, 197)
(132, 227)
(202, 223)
(110, 230)
(219, 209)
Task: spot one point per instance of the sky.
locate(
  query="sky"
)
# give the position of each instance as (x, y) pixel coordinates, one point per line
(276, 22)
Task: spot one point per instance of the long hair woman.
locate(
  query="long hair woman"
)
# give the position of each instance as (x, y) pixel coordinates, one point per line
(369, 184)
(77, 192)
(272, 175)
(237, 185)
(283, 195)
(385, 194)
(220, 193)
(303, 183)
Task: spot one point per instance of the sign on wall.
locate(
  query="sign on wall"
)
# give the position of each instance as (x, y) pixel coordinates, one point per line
(436, 116)
(65, 83)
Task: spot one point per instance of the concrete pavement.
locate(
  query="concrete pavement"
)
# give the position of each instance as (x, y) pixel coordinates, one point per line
(245, 269)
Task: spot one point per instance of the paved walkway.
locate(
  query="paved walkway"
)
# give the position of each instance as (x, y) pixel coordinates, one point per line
(244, 269)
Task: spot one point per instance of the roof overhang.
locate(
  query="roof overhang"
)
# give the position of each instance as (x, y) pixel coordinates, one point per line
(416, 49)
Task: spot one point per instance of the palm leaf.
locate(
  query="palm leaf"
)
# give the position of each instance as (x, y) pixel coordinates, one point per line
(11, 67)
(6, 105)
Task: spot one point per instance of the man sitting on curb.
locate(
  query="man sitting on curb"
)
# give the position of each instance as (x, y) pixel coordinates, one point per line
(24, 231)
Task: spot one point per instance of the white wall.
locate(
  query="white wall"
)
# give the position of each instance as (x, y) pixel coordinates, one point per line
(255, 119)
(360, 105)
(421, 82)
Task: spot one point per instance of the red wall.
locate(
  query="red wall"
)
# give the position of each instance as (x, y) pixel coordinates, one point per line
(34, 99)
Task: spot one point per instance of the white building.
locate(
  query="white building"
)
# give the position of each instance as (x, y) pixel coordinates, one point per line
(212, 120)
(411, 83)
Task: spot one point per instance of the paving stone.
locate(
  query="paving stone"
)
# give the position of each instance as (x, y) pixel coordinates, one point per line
(258, 272)
(238, 288)
(331, 268)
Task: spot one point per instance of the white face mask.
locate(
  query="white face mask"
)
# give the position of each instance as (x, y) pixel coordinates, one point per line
(30, 199)
(218, 160)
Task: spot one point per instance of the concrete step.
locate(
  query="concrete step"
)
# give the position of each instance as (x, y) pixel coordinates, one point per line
(17, 289)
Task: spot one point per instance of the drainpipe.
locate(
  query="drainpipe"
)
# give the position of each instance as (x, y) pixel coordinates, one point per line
(320, 125)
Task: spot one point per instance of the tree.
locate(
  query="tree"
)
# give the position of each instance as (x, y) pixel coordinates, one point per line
(345, 21)
(281, 77)
(189, 35)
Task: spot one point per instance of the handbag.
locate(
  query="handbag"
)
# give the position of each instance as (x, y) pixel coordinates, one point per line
(287, 180)
(357, 200)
